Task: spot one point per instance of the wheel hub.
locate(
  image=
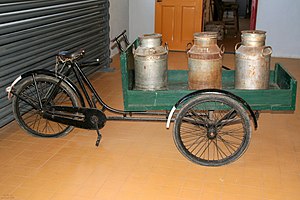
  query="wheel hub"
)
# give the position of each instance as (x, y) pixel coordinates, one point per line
(211, 132)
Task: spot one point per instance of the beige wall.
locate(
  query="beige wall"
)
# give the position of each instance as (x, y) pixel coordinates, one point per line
(141, 17)
(281, 21)
(119, 19)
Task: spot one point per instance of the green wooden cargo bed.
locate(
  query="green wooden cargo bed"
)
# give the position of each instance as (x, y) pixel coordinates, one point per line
(281, 94)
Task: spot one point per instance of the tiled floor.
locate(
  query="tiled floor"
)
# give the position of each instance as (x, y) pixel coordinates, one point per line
(138, 160)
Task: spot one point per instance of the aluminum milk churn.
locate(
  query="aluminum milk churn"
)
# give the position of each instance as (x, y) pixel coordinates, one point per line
(205, 62)
(151, 61)
(252, 61)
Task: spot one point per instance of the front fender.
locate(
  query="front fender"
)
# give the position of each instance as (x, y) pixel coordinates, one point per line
(212, 91)
(48, 73)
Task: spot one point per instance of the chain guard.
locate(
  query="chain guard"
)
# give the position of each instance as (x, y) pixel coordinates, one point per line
(86, 118)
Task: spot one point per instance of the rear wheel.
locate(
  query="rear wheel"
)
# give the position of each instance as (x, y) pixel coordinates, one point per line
(212, 130)
(26, 105)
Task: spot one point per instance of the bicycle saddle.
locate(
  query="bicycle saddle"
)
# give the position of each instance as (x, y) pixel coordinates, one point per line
(69, 56)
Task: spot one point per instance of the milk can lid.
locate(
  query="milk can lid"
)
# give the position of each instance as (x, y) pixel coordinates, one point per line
(206, 34)
(150, 36)
(254, 33)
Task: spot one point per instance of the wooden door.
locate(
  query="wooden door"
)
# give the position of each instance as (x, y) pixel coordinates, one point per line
(177, 21)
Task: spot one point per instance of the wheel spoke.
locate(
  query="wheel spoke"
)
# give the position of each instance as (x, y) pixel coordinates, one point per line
(219, 150)
(29, 100)
(197, 117)
(229, 145)
(206, 147)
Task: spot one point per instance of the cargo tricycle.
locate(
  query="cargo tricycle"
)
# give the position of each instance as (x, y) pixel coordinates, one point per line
(212, 127)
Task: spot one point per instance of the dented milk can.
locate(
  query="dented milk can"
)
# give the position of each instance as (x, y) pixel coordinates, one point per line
(252, 59)
(205, 62)
(150, 59)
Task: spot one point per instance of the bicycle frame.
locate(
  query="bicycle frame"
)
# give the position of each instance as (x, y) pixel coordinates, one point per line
(85, 85)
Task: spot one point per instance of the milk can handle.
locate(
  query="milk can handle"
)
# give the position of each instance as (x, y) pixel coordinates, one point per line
(222, 49)
(166, 47)
(188, 46)
(268, 52)
(237, 45)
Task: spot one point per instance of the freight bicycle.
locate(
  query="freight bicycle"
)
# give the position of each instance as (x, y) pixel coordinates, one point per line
(212, 127)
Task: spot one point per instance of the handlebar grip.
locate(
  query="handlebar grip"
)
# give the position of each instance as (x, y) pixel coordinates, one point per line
(117, 37)
(121, 37)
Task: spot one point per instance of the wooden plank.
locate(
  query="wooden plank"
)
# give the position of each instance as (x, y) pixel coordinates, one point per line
(258, 99)
(285, 80)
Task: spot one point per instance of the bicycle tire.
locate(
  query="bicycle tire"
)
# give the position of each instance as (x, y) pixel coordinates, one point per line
(29, 118)
(209, 142)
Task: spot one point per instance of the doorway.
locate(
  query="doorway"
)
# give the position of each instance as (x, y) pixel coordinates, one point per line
(232, 17)
(177, 21)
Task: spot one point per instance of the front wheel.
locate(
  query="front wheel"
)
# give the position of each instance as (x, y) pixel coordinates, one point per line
(37, 91)
(212, 130)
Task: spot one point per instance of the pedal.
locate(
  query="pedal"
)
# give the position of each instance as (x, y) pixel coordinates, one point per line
(98, 138)
(95, 120)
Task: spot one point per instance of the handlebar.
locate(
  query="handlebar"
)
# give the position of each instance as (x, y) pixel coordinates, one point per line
(118, 40)
(117, 37)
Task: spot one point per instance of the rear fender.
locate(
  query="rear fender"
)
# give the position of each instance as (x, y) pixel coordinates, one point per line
(212, 91)
(64, 79)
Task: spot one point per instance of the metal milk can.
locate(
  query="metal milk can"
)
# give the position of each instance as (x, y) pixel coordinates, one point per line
(205, 62)
(151, 61)
(252, 61)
